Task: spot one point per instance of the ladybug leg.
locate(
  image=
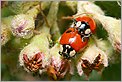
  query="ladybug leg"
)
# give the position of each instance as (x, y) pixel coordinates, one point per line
(83, 39)
(85, 36)
(73, 24)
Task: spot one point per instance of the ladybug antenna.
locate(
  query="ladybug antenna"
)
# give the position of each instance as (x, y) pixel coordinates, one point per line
(74, 20)
(68, 17)
(74, 16)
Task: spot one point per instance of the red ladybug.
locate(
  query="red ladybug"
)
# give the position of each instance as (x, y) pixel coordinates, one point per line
(85, 26)
(71, 42)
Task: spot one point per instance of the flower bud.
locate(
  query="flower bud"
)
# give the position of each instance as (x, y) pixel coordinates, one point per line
(31, 58)
(22, 26)
(35, 56)
(113, 27)
(58, 66)
(93, 58)
(41, 41)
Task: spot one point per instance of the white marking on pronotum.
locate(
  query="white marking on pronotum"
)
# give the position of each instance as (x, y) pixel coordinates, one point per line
(87, 31)
(82, 25)
(78, 24)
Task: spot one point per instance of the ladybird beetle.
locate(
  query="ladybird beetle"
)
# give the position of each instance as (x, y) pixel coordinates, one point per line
(85, 26)
(71, 42)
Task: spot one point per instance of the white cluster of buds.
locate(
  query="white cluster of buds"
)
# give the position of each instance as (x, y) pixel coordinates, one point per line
(93, 58)
(35, 56)
(22, 26)
(113, 27)
(31, 58)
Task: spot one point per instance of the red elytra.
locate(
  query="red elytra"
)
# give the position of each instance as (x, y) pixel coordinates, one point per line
(90, 21)
(71, 37)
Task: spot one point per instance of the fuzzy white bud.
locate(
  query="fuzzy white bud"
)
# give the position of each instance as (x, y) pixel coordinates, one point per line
(22, 26)
(113, 27)
(90, 54)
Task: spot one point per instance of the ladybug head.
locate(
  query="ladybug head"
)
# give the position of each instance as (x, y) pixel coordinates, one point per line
(85, 25)
(83, 28)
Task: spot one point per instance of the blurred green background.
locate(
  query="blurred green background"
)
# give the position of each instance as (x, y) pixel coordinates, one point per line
(11, 71)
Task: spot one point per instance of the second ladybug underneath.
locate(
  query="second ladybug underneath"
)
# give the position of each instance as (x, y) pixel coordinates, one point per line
(71, 42)
(85, 26)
